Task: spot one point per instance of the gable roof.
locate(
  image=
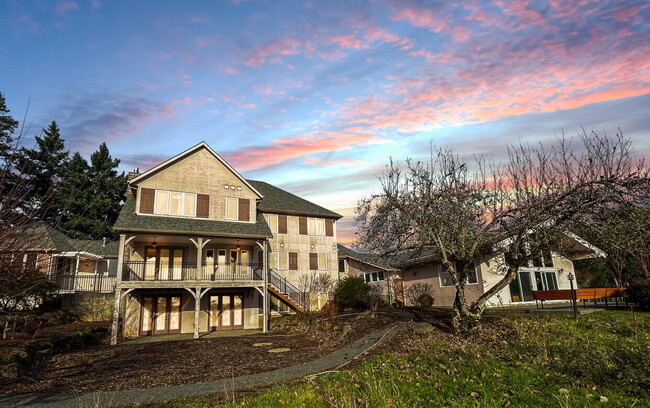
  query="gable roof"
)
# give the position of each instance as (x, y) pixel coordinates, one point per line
(186, 153)
(128, 220)
(277, 200)
(36, 236)
(370, 259)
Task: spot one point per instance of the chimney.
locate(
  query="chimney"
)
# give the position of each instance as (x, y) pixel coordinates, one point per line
(132, 174)
(104, 241)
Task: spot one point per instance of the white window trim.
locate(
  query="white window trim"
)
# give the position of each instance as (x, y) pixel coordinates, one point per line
(277, 222)
(169, 203)
(277, 263)
(324, 227)
(318, 261)
(369, 274)
(226, 209)
(467, 283)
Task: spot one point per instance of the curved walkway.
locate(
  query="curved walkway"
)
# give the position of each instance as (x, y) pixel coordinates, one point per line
(116, 398)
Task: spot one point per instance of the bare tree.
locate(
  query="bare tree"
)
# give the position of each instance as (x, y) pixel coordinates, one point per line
(473, 210)
(315, 282)
(420, 294)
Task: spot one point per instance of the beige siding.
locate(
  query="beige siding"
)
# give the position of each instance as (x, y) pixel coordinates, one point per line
(442, 296)
(202, 173)
(292, 241)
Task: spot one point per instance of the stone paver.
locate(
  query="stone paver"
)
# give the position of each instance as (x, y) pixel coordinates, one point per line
(279, 350)
(117, 398)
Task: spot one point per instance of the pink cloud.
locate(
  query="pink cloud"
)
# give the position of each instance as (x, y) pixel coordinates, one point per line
(266, 90)
(287, 148)
(273, 49)
(66, 6)
(348, 41)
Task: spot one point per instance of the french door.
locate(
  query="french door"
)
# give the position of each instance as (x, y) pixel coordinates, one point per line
(160, 315)
(226, 312)
(164, 263)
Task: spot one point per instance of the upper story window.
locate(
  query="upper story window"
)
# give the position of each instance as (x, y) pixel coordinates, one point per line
(232, 208)
(175, 203)
(322, 262)
(316, 226)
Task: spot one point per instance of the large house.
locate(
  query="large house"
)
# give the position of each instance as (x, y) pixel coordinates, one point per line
(403, 278)
(202, 249)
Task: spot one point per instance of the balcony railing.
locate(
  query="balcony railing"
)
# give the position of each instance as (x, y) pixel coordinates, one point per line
(97, 283)
(183, 271)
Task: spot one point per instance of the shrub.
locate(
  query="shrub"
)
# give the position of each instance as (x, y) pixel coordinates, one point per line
(352, 292)
(420, 294)
(639, 293)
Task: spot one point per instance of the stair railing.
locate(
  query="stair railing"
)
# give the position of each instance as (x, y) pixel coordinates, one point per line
(286, 287)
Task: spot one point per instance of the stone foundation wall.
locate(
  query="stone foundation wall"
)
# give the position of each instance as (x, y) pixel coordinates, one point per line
(90, 307)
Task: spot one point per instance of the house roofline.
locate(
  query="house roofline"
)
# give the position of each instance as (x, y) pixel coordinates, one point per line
(187, 152)
(178, 232)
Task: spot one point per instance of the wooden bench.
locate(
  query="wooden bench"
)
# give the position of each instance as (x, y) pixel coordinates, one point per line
(581, 294)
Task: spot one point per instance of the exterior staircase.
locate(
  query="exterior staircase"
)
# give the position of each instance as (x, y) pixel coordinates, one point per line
(286, 292)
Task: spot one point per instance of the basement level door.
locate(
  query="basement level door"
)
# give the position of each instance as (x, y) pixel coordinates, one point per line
(160, 315)
(226, 312)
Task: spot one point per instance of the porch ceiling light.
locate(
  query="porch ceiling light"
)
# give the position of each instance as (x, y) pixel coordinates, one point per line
(238, 247)
(154, 243)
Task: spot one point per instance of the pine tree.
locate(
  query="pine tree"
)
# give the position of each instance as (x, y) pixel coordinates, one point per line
(94, 206)
(74, 196)
(43, 167)
(8, 126)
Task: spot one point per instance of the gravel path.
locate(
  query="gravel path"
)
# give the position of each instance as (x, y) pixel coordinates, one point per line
(116, 398)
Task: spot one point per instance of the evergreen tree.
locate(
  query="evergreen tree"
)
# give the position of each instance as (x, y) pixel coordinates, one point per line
(94, 206)
(43, 167)
(8, 126)
(74, 196)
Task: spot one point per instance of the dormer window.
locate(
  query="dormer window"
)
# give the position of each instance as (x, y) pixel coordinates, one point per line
(175, 203)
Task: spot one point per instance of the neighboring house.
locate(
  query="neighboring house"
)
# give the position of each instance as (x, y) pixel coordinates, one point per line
(549, 271)
(203, 249)
(383, 278)
(72, 265)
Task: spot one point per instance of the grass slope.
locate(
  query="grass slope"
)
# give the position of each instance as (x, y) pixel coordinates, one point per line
(520, 360)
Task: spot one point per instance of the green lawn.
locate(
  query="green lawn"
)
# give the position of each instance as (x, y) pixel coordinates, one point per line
(527, 360)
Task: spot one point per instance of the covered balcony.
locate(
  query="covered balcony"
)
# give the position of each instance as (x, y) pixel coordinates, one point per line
(168, 260)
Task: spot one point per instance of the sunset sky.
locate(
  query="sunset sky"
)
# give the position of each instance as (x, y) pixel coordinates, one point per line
(315, 96)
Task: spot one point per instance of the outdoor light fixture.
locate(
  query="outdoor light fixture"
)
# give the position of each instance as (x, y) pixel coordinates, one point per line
(238, 247)
(154, 243)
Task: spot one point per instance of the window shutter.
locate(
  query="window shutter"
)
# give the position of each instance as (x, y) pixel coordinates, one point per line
(282, 224)
(244, 209)
(293, 261)
(202, 205)
(329, 227)
(302, 225)
(313, 261)
(146, 200)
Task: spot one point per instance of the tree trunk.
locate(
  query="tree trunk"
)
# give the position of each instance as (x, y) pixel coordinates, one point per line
(465, 322)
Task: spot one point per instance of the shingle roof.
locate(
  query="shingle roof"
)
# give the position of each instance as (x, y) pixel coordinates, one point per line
(393, 262)
(128, 220)
(36, 236)
(95, 246)
(370, 259)
(281, 201)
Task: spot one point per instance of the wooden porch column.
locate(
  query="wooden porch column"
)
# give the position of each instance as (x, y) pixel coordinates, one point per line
(116, 310)
(197, 309)
(265, 298)
(199, 243)
(116, 316)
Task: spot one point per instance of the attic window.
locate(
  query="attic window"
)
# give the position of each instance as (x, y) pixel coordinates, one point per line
(175, 203)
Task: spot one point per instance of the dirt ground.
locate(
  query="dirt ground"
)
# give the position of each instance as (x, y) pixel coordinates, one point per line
(139, 366)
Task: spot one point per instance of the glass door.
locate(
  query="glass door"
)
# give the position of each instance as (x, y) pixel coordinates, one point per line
(226, 312)
(209, 263)
(146, 320)
(150, 264)
(234, 257)
(160, 315)
(521, 289)
(244, 261)
(221, 261)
